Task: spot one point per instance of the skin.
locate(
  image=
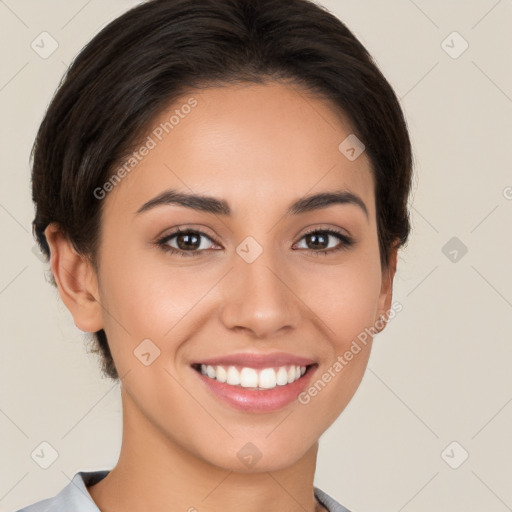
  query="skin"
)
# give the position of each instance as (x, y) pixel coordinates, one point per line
(259, 147)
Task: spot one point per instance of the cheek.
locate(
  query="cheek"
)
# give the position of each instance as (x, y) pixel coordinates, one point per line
(344, 297)
(146, 297)
(349, 309)
(346, 310)
(345, 300)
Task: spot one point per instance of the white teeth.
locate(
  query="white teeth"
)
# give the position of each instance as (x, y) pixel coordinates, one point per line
(249, 378)
(233, 376)
(210, 371)
(292, 372)
(282, 376)
(222, 375)
(266, 378)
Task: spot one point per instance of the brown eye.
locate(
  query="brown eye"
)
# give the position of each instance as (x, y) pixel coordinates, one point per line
(189, 242)
(318, 241)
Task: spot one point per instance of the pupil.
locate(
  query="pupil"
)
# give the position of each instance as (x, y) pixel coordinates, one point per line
(315, 238)
(187, 244)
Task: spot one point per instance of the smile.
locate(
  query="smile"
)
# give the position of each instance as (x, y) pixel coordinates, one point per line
(255, 390)
(252, 378)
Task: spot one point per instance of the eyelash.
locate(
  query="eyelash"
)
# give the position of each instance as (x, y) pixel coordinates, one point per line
(346, 242)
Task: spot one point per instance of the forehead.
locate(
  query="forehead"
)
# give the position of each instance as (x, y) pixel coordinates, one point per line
(246, 143)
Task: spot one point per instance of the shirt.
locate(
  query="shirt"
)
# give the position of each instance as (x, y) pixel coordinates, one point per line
(76, 498)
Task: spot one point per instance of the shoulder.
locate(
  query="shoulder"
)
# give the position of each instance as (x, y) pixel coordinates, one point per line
(74, 496)
(329, 503)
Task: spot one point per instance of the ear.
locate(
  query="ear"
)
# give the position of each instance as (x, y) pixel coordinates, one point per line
(76, 280)
(386, 292)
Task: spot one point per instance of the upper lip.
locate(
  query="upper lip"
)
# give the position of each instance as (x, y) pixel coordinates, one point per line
(253, 360)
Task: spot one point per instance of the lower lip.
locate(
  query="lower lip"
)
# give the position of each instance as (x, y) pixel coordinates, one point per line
(257, 400)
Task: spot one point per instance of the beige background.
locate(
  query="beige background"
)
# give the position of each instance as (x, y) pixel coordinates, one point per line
(439, 373)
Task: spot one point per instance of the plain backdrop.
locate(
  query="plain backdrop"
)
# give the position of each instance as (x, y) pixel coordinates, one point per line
(429, 428)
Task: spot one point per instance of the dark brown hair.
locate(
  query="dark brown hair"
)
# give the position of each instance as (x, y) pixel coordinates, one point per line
(152, 54)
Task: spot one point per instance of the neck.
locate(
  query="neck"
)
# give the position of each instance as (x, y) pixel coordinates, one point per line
(155, 473)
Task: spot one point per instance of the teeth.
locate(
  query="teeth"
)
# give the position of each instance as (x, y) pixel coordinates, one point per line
(233, 376)
(220, 374)
(282, 376)
(249, 378)
(292, 372)
(267, 378)
(210, 371)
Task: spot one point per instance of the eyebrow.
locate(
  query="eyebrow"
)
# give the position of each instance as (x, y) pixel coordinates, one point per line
(216, 206)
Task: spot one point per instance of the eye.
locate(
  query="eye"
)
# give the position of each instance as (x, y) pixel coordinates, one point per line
(318, 238)
(188, 241)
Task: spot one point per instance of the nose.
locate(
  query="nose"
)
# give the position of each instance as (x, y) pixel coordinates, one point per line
(259, 297)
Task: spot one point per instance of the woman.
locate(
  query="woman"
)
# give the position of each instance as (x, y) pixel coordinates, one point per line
(221, 187)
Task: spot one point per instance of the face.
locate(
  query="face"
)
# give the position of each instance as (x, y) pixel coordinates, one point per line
(250, 285)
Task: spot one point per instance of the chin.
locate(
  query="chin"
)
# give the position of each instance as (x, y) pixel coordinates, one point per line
(259, 455)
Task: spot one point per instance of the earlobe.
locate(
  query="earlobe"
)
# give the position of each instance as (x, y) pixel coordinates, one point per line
(76, 280)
